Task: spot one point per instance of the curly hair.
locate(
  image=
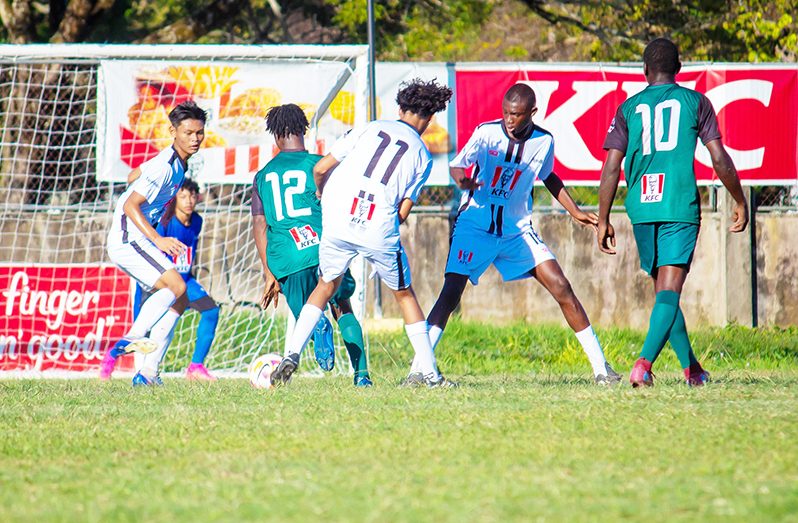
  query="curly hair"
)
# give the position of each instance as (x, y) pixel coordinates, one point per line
(423, 98)
(285, 120)
(662, 56)
(191, 186)
(186, 111)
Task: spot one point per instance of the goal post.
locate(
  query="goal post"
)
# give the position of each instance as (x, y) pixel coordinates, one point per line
(76, 118)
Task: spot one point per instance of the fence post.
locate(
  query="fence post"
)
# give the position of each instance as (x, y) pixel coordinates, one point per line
(738, 264)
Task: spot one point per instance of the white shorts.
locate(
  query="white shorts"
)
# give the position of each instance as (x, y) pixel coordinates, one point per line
(472, 252)
(335, 256)
(142, 260)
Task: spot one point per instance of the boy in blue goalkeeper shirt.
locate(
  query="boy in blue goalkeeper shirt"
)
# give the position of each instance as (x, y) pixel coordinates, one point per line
(185, 225)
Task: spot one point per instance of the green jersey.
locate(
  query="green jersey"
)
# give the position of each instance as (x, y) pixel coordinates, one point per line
(657, 129)
(285, 193)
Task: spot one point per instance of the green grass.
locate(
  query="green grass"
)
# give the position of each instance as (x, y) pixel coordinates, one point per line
(526, 437)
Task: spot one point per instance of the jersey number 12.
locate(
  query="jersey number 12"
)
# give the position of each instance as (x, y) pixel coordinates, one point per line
(291, 190)
(662, 141)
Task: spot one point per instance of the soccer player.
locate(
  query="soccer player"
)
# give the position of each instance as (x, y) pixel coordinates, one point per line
(379, 170)
(287, 229)
(186, 225)
(494, 225)
(136, 247)
(656, 130)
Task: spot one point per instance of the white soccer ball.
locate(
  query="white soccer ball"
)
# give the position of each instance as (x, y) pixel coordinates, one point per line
(261, 368)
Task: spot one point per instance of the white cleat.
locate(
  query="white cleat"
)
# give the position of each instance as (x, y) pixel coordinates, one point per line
(142, 346)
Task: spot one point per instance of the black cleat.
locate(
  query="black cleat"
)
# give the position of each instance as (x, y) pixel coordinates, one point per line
(609, 378)
(282, 374)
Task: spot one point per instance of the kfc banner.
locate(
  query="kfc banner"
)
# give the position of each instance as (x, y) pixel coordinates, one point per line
(61, 317)
(135, 99)
(757, 111)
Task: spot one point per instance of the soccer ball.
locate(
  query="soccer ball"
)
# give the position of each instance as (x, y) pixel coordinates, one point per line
(261, 368)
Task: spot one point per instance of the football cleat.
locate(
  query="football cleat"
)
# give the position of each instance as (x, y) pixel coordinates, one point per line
(141, 345)
(609, 378)
(696, 376)
(323, 346)
(363, 381)
(282, 374)
(140, 380)
(439, 383)
(198, 372)
(414, 379)
(641, 374)
(109, 362)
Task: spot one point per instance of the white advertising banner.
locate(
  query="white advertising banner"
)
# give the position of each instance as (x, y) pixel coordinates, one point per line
(136, 97)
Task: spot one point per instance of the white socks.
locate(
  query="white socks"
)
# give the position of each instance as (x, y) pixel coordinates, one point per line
(424, 361)
(590, 343)
(162, 333)
(305, 325)
(152, 311)
(435, 333)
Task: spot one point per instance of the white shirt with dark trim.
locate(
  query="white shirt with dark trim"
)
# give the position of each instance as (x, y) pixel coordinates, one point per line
(381, 164)
(508, 169)
(161, 178)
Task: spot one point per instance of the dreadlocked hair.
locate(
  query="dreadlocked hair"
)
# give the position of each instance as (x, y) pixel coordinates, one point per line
(423, 98)
(285, 120)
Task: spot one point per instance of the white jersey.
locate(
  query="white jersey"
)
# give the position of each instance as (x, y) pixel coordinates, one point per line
(381, 164)
(508, 169)
(161, 178)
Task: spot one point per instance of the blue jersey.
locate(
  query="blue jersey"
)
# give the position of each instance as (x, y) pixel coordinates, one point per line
(189, 235)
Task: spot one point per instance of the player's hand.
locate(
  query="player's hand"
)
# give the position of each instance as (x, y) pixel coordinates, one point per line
(271, 292)
(606, 237)
(586, 218)
(169, 245)
(739, 217)
(467, 183)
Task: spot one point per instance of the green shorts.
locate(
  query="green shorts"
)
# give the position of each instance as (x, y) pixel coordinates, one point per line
(665, 243)
(296, 288)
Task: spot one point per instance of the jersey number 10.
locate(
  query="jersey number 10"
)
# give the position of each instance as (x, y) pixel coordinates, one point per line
(662, 141)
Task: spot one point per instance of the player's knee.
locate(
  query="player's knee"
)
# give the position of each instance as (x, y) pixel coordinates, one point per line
(562, 291)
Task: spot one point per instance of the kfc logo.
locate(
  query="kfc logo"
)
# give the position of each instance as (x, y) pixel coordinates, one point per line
(503, 176)
(362, 209)
(304, 237)
(651, 188)
(464, 256)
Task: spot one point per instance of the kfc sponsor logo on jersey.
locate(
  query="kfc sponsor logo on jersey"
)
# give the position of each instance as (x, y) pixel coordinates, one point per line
(465, 256)
(184, 260)
(652, 186)
(504, 181)
(304, 236)
(362, 209)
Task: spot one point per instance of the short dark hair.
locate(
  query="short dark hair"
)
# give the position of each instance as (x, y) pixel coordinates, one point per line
(423, 98)
(662, 56)
(285, 120)
(521, 93)
(187, 111)
(191, 186)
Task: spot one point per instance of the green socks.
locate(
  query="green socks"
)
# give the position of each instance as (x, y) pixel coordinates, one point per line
(681, 343)
(666, 308)
(352, 334)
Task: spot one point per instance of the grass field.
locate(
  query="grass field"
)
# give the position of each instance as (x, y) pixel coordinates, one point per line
(526, 437)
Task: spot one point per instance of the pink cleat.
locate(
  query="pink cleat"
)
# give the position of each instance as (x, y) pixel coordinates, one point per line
(107, 365)
(198, 372)
(696, 376)
(641, 375)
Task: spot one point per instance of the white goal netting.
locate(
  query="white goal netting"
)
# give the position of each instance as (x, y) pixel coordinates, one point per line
(74, 120)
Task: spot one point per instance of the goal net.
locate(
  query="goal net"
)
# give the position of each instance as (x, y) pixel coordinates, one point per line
(76, 119)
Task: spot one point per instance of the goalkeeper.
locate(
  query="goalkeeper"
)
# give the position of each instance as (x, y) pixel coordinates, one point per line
(286, 227)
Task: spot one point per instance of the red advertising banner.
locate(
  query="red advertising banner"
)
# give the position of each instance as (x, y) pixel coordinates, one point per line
(757, 110)
(61, 317)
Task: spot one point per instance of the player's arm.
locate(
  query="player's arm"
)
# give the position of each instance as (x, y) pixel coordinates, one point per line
(610, 176)
(404, 209)
(557, 189)
(259, 226)
(465, 159)
(132, 210)
(727, 173)
(134, 175)
(462, 180)
(322, 170)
